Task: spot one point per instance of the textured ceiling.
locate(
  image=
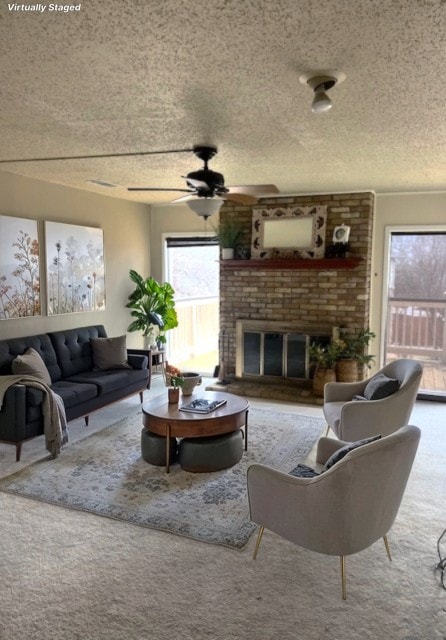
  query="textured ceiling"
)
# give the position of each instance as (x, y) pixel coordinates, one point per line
(140, 75)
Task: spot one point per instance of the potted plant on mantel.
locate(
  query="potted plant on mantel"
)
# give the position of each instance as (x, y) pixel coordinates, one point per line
(152, 305)
(228, 233)
(325, 357)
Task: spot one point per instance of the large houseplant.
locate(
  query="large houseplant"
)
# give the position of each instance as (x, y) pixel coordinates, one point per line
(152, 305)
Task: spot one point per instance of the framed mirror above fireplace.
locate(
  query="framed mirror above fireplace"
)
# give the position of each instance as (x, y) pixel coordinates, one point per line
(288, 232)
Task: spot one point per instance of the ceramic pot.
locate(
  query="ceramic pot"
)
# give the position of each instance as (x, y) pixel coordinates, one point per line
(227, 253)
(191, 380)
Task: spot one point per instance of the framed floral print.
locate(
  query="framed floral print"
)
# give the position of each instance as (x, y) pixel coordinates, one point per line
(19, 268)
(75, 273)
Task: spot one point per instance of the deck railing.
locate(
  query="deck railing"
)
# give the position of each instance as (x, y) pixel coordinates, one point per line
(197, 331)
(417, 328)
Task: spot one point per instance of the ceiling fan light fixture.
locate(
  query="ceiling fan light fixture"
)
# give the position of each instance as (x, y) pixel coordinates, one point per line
(205, 207)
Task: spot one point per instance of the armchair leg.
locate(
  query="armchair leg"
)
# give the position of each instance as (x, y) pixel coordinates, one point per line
(18, 451)
(328, 429)
(386, 542)
(258, 541)
(141, 397)
(343, 578)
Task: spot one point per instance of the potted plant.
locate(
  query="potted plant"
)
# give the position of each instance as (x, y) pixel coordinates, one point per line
(152, 305)
(173, 391)
(325, 357)
(354, 355)
(228, 233)
(173, 379)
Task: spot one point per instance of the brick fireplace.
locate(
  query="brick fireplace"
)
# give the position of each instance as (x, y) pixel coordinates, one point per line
(315, 294)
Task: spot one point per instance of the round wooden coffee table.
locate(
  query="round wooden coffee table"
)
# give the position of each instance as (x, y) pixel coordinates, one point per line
(167, 420)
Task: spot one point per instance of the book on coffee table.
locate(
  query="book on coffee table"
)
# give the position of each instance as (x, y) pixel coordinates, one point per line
(201, 405)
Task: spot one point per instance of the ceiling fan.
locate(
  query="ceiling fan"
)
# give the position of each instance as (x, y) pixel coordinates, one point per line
(206, 183)
(205, 190)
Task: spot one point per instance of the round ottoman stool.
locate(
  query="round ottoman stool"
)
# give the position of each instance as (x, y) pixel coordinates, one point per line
(201, 455)
(153, 448)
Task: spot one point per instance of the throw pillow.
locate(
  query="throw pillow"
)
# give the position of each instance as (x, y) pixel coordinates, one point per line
(342, 452)
(109, 353)
(302, 471)
(380, 386)
(31, 364)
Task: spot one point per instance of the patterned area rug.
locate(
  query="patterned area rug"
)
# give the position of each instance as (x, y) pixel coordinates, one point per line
(105, 474)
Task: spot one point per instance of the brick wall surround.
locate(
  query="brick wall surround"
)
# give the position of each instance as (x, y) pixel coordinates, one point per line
(320, 297)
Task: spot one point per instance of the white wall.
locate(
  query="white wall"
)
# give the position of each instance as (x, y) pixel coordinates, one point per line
(126, 228)
(398, 210)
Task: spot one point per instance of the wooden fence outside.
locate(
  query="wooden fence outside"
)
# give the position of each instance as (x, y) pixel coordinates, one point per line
(197, 331)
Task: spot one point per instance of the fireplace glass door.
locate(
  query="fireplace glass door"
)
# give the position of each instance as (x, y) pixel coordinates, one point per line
(275, 354)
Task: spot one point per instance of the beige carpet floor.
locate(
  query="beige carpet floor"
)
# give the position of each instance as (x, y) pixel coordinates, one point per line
(76, 576)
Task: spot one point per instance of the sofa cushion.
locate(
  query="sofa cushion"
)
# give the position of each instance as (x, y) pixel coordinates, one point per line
(73, 394)
(380, 386)
(73, 348)
(112, 380)
(30, 363)
(342, 452)
(13, 347)
(109, 353)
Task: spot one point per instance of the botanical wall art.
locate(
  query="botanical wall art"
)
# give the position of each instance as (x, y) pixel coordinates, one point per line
(75, 268)
(288, 232)
(19, 268)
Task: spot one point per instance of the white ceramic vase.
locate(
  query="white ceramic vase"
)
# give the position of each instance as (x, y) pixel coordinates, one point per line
(227, 253)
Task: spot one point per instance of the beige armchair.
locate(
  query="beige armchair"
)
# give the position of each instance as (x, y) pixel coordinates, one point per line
(344, 509)
(355, 419)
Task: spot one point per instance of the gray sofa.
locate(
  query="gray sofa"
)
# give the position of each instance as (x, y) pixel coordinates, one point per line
(69, 360)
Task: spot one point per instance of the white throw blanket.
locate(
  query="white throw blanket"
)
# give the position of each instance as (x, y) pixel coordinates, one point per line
(54, 418)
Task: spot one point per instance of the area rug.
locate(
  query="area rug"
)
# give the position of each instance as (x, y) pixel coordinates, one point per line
(105, 474)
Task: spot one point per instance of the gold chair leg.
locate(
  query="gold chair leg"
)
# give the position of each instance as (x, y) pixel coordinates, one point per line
(387, 548)
(258, 541)
(344, 582)
(328, 429)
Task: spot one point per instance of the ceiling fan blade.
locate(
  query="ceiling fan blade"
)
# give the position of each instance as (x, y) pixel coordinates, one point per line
(98, 155)
(242, 198)
(254, 189)
(158, 189)
(193, 196)
(198, 184)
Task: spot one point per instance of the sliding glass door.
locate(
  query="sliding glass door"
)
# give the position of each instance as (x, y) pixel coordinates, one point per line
(415, 304)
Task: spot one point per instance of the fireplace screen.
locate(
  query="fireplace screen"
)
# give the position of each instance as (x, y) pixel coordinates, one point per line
(275, 354)
(280, 353)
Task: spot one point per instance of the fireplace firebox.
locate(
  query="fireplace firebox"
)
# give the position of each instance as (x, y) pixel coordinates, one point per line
(277, 350)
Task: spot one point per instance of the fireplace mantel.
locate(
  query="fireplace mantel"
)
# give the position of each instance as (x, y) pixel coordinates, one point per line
(320, 264)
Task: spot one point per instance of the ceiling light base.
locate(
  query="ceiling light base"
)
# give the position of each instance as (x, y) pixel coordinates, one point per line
(321, 82)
